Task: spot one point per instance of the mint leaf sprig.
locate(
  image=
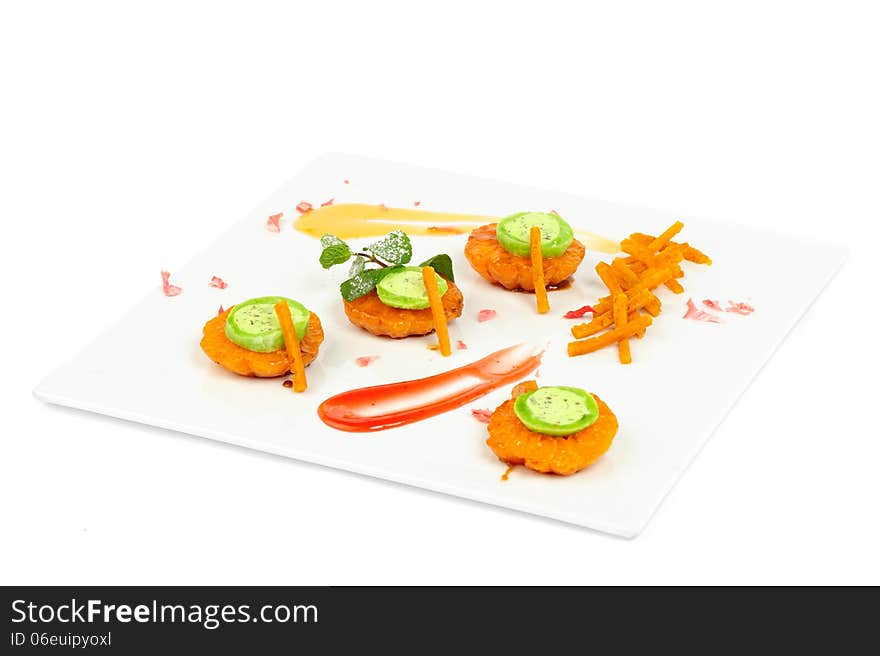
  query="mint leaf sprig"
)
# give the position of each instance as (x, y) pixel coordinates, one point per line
(389, 254)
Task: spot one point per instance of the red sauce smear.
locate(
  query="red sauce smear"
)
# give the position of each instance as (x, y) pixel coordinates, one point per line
(396, 404)
(577, 314)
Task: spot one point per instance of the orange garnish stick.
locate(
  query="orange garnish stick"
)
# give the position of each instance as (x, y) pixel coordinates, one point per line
(538, 270)
(585, 346)
(429, 276)
(674, 286)
(620, 319)
(625, 276)
(666, 236)
(291, 345)
(609, 277)
(602, 321)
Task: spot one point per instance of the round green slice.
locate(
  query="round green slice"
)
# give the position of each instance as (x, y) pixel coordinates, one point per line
(556, 411)
(513, 233)
(253, 325)
(405, 289)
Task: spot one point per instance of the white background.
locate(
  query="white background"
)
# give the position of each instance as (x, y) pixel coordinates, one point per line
(132, 133)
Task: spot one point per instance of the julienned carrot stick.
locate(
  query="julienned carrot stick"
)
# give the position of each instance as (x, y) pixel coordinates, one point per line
(620, 320)
(690, 253)
(627, 277)
(639, 297)
(538, 270)
(609, 277)
(666, 236)
(437, 312)
(605, 319)
(585, 346)
(291, 345)
(674, 286)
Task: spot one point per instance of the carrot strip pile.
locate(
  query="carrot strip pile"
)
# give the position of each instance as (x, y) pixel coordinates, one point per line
(650, 262)
(437, 312)
(538, 270)
(291, 345)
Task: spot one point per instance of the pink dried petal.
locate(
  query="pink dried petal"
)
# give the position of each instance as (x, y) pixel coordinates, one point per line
(577, 314)
(554, 212)
(345, 181)
(482, 415)
(167, 288)
(417, 203)
(329, 202)
(304, 207)
(698, 315)
(272, 223)
(486, 315)
(220, 311)
(461, 346)
(218, 283)
(715, 305)
(739, 308)
(366, 360)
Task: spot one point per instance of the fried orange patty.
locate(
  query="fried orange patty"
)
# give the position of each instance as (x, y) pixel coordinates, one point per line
(515, 444)
(371, 314)
(497, 265)
(239, 360)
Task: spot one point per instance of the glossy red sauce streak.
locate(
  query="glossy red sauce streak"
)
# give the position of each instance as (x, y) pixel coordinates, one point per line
(396, 404)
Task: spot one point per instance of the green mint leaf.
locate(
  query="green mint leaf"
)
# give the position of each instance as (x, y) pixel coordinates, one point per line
(442, 264)
(363, 283)
(358, 264)
(335, 251)
(394, 248)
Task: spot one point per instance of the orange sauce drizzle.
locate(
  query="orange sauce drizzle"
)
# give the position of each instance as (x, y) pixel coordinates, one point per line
(351, 220)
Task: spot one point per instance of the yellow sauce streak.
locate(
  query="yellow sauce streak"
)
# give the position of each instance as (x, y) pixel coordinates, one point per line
(350, 220)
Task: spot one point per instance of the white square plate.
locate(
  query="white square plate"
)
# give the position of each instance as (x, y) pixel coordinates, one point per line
(685, 376)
